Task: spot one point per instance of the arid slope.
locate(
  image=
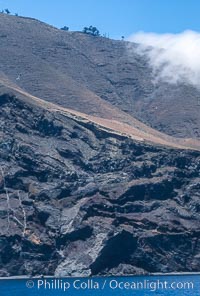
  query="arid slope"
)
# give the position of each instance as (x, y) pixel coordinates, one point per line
(96, 76)
(135, 129)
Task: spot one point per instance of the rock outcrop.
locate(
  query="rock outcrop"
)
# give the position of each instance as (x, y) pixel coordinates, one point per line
(78, 200)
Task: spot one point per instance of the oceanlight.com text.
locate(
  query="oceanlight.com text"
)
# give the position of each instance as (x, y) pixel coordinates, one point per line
(108, 284)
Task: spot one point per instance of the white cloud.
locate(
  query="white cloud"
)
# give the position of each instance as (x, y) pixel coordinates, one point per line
(174, 57)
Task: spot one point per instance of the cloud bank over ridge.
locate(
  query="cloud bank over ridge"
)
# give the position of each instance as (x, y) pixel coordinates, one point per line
(173, 57)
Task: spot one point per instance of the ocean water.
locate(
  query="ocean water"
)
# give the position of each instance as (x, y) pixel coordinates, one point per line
(176, 285)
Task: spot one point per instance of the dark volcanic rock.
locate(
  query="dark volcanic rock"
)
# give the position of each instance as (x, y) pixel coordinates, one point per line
(77, 200)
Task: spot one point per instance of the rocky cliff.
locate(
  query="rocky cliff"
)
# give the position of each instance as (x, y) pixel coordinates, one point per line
(79, 200)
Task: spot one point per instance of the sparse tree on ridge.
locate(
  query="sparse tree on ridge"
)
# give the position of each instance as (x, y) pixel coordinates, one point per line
(7, 11)
(91, 31)
(65, 28)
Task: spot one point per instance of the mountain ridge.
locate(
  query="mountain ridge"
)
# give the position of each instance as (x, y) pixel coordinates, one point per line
(86, 172)
(94, 74)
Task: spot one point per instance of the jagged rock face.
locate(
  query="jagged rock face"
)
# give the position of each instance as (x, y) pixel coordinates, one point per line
(77, 200)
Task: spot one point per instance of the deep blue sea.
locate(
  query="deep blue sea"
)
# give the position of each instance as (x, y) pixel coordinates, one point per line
(109, 286)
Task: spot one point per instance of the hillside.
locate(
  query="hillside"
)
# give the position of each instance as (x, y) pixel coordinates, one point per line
(97, 76)
(96, 161)
(134, 129)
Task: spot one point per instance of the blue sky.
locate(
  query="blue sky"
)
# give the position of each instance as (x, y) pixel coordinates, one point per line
(116, 17)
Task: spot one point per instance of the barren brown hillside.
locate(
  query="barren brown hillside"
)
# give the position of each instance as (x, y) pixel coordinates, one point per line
(96, 161)
(114, 123)
(96, 76)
